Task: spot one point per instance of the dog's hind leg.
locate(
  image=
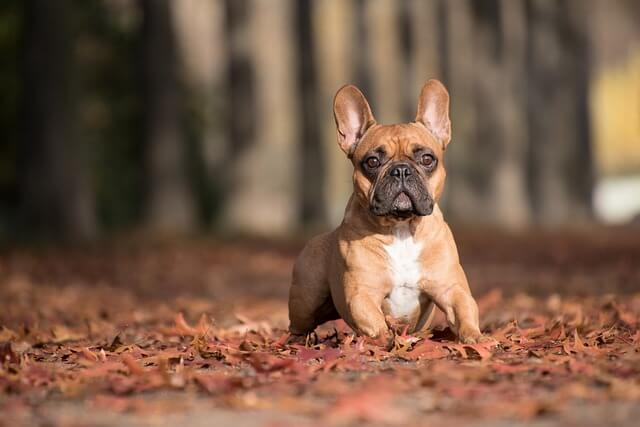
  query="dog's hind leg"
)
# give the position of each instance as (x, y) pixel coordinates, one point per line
(310, 302)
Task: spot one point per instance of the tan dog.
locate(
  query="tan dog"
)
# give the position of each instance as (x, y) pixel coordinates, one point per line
(393, 255)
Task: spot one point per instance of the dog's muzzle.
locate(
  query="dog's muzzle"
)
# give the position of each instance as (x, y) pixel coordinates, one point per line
(401, 193)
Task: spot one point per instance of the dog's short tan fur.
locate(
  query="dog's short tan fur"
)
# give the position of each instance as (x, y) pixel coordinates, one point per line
(373, 267)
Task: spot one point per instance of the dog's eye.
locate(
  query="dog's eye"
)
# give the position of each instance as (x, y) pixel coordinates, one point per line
(372, 162)
(428, 160)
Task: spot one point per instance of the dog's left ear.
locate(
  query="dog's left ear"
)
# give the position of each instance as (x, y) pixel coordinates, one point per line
(353, 117)
(433, 111)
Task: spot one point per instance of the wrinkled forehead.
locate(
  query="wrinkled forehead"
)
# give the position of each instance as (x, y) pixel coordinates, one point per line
(398, 139)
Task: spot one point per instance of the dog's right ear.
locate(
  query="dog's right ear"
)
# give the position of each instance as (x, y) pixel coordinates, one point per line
(353, 117)
(433, 110)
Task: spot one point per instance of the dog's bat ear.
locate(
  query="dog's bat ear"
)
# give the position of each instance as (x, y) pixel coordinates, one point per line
(433, 110)
(353, 117)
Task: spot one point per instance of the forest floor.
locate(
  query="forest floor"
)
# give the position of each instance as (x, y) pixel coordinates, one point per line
(194, 333)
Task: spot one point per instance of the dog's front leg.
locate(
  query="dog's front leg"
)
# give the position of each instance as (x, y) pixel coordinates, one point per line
(461, 312)
(366, 313)
(452, 295)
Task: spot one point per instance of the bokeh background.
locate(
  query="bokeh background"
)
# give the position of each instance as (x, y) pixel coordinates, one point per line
(173, 156)
(192, 116)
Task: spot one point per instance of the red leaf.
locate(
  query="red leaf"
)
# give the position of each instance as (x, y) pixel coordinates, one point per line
(132, 365)
(328, 354)
(265, 362)
(183, 327)
(482, 349)
(89, 355)
(427, 349)
(460, 348)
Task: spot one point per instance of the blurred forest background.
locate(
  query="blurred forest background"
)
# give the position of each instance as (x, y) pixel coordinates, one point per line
(130, 128)
(189, 115)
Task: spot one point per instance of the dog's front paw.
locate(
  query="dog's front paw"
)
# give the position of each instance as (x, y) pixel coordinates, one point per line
(374, 333)
(384, 339)
(382, 336)
(302, 339)
(472, 336)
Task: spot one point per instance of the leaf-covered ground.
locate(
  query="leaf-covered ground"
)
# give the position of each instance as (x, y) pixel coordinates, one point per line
(194, 334)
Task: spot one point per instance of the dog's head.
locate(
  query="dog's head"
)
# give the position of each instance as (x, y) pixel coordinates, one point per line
(398, 169)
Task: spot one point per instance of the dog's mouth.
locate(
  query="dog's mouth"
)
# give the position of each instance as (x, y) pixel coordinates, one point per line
(402, 206)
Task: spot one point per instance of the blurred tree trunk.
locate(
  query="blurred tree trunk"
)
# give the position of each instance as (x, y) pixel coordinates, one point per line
(424, 39)
(57, 196)
(334, 35)
(464, 173)
(559, 152)
(312, 166)
(200, 33)
(511, 201)
(385, 59)
(500, 135)
(170, 204)
(263, 190)
(240, 105)
(484, 63)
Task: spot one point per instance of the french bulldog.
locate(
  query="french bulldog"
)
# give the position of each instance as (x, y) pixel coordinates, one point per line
(393, 257)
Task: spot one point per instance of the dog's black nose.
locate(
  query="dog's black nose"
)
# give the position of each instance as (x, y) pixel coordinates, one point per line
(400, 170)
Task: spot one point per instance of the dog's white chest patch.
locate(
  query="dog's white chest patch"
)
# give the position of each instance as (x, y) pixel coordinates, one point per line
(404, 268)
